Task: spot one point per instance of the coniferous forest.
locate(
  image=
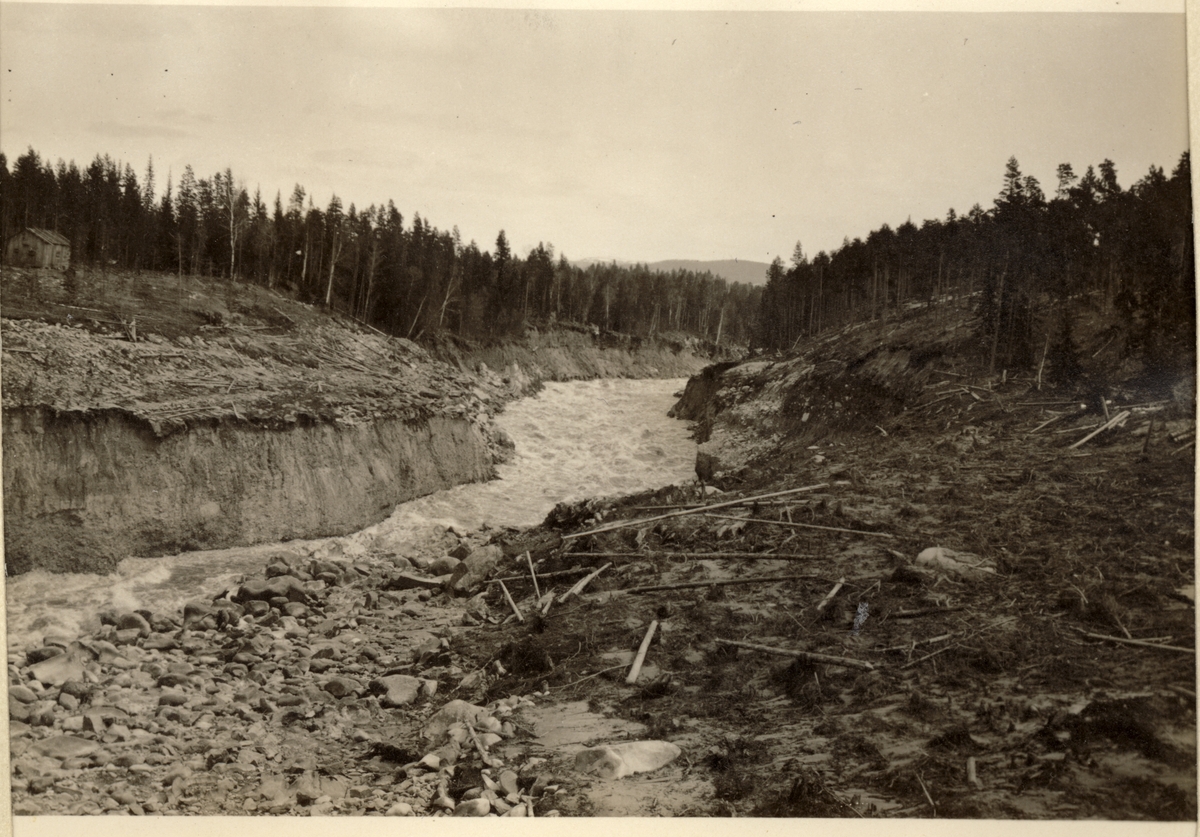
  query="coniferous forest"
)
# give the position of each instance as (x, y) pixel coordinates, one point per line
(1032, 264)
(403, 276)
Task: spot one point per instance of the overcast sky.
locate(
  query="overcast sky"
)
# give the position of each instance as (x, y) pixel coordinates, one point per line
(618, 134)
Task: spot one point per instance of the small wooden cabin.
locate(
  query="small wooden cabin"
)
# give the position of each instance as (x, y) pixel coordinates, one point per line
(34, 247)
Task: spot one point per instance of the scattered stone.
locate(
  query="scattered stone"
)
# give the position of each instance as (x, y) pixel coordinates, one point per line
(473, 808)
(65, 746)
(397, 689)
(24, 694)
(475, 569)
(618, 760)
(444, 565)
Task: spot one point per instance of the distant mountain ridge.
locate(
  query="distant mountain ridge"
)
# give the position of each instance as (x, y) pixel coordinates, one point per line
(732, 270)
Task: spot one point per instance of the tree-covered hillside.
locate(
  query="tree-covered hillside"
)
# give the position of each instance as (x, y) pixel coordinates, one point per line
(1035, 265)
(412, 279)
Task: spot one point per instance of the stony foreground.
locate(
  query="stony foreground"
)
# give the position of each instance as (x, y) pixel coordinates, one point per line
(312, 691)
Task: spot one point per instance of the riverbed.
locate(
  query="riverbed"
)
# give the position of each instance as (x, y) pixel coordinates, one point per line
(572, 440)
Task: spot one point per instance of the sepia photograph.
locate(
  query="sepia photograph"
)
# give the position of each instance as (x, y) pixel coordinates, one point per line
(574, 412)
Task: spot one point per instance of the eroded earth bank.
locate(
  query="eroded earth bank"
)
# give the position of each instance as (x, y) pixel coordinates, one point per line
(911, 587)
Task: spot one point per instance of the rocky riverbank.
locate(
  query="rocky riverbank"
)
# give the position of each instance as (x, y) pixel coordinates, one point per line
(309, 690)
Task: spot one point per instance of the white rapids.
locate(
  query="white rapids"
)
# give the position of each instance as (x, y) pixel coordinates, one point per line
(573, 440)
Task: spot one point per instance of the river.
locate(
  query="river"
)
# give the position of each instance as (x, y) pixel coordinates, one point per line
(572, 441)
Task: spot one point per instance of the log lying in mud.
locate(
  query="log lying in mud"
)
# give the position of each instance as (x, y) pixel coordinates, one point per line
(721, 583)
(625, 524)
(811, 656)
(801, 525)
(781, 556)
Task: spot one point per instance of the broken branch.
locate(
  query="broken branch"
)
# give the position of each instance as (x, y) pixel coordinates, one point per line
(1138, 642)
(801, 525)
(641, 654)
(829, 596)
(582, 583)
(811, 656)
(781, 556)
(536, 591)
(625, 524)
(508, 597)
(1119, 418)
(721, 583)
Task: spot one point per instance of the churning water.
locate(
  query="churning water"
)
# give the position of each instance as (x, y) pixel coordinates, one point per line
(573, 440)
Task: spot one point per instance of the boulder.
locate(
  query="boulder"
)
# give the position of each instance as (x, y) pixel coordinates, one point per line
(475, 569)
(618, 760)
(396, 689)
(264, 589)
(409, 581)
(960, 564)
(444, 565)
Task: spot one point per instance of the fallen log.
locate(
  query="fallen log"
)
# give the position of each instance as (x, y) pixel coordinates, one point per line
(781, 556)
(933, 611)
(811, 656)
(801, 525)
(508, 598)
(636, 669)
(1116, 420)
(718, 583)
(1138, 642)
(829, 596)
(573, 571)
(536, 590)
(582, 583)
(625, 524)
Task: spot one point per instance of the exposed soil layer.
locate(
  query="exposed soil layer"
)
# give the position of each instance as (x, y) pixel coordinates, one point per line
(85, 489)
(145, 414)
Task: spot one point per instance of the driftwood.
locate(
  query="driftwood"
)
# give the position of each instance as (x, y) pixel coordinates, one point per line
(536, 590)
(1116, 420)
(782, 556)
(933, 611)
(636, 669)
(800, 655)
(508, 597)
(625, 524)
(801, 525)
(574, 571)
(928, 656)
(1138, 642)
(911, 645)
(723, 583)
(579, 585)
(829, 596)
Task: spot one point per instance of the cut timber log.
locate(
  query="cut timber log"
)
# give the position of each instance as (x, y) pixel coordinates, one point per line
(575, 571)
(508, 598)
(800, 655)
(781, 556)
(801, 525)
(636, 669)
(582, 583)
(722, 583)
(1137, 642)
(536, 590)
(625, 524)
(829, 596)
(1116, 420)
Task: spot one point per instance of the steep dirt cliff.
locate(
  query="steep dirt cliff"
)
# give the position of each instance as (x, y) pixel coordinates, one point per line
(83, 490)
